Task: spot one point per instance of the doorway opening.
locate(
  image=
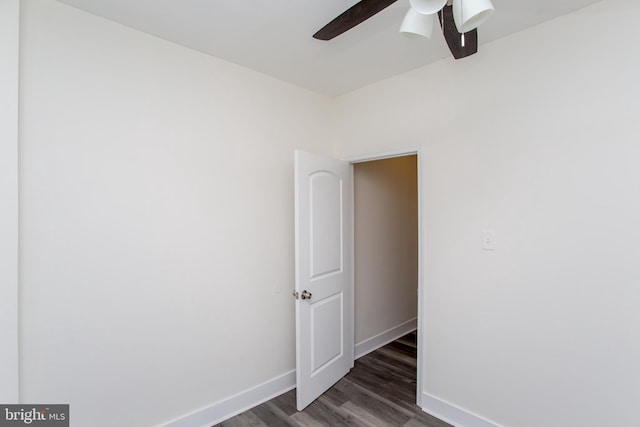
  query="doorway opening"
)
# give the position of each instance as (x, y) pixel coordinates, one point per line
(324, 290)
(387, 243)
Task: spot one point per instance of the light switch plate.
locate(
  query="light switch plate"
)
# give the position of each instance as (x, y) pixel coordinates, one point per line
(488, 240)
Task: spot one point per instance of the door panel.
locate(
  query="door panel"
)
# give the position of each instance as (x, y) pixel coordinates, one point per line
(325, 223)
(324, 270)
(326, 329)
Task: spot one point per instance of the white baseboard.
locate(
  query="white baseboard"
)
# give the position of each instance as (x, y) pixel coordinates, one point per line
(384, 338)
(245, 400)
(453, 414)
(236, 404)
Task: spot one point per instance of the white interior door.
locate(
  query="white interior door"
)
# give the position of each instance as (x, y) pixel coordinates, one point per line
(324, 274)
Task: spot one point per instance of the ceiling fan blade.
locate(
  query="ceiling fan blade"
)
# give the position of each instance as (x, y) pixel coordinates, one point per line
(454, 38)
(353, 16)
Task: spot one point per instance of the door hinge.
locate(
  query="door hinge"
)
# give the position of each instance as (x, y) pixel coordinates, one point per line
(296, 295)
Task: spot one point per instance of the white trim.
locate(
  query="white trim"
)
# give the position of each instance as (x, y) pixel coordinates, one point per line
(236, 404)
(352, 262)
(9, 200)
(387, 154)
(421, 283)
(380, 155)
(384, 338)
(453, 414)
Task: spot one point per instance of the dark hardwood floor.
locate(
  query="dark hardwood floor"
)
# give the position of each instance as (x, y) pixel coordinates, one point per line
(379, 391)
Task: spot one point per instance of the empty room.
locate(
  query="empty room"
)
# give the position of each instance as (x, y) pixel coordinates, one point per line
(165, 169)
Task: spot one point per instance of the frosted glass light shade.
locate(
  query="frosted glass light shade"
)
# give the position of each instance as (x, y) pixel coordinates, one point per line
(469, 14)
(427, 7)
(416, 25)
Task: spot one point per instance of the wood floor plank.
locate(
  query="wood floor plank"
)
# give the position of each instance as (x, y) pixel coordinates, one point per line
(377, 405)
(335, 396)
(380, 391)
(408, 366)
(408, 340)
(381, 372)
(271, 415)
(422, 419)
(246, 419)
(306, 420)
(364, 416)
(286, 402)
(349, 417)
(398, 356)
(325, 412)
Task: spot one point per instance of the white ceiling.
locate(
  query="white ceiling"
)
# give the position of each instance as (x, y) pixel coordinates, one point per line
(274, 36)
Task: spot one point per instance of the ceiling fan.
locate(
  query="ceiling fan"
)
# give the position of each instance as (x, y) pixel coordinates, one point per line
(458, 20)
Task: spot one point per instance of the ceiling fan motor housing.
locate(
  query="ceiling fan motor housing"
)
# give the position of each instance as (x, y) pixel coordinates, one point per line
(427, 7)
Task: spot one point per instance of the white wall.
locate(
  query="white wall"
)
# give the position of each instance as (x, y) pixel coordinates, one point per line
(157, 212)
(157, 219)
(536, 137)
(9, 76)
(386, 244)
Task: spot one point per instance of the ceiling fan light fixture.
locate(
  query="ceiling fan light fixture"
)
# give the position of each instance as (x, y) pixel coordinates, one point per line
(427, 7)
(469, 14)
(417, 25)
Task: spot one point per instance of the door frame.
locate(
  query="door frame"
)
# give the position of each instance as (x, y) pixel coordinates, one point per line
(388, 154)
